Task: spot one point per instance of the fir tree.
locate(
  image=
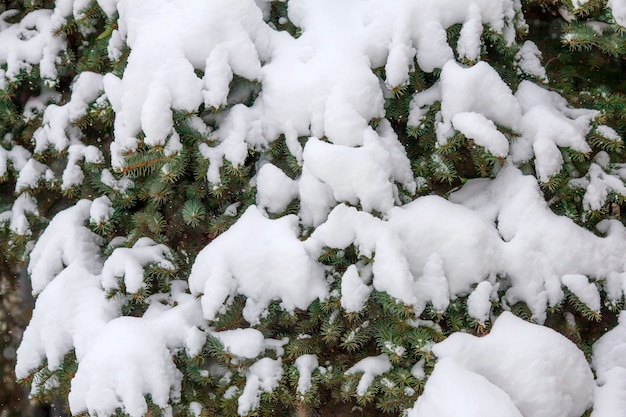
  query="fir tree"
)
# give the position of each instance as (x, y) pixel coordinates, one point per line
(224, 212)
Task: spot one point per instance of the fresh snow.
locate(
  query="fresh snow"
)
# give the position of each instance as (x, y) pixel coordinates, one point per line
(543, 373)
(453, 391)
(354, 292)
(370, 367)
(479, 302)
(609, 362)
(129, 263)
(262, 376)
(618, 7)
(305, 364)
(262, 259)
(319, 92)
(586, 291)
(128, 360)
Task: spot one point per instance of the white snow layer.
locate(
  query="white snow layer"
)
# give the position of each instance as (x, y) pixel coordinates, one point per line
(305, 365)
(319, 92)
(524, 368)
(618, 7)
(609, 362)
(370, 367)
(262, 259)
(453, 391)
(65, 241)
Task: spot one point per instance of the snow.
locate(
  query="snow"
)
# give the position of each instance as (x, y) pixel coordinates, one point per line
(305, 365)
(586, 291)
(408, 243)
(609, 362)
(73, 175)
(371, 367)
(18, 223)
(319, 92)
(195, 408)
(477, 89)
(529, 61)
(100, 210)
(432, 286)
(479, 302)
(354, 293)
(483, 131)
(30, 42)
(118, 375)
(275, 189)
(608, 133)
(55, 130)
(129, 263)
(551, 375)
(598, 184)
(17, 156)
(60, 323)
(262, 376)
(618, 7)
(335, 173)
(157, 79)
(579, 3)
(247, 343)
(548, 122)
(120, 185)
(65, 241)
(261, 259)
(469, 43)
(30, 175)
(453, 391)
(538, 247)
(417, 370)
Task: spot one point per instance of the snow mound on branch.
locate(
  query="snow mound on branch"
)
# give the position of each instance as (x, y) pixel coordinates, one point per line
(61, 323)
(262, 259)
(275, 189)
(320, 84)
(55, 127)
(354, 292)
(598, 184)
(479, 302)
(618, 8)
(305, 365)
(540, 247)
(66, 240)
(177, 317)
(101, 210)
(127, 361)
(361, 175)
(248, 343)
(549, 123)
(477, 92)
(586, 291)
(416, 246)
(474, 100)
(18, 156)
(16, 217)
(129, 263)
(370, 367)
(551, 375)
(221, 38)
(31, 42)
(31, 174)
(528, 61)
(609, 362)
(262, 376)
(453, 391)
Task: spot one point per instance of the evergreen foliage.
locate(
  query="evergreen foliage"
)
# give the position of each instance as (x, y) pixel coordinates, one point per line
(162, 192)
